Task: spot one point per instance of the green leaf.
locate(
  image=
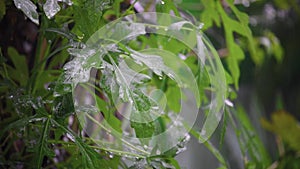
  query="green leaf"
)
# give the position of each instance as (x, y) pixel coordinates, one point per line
(87, 16)
(42, 147)
(173, 96)
(19, 123)
(90, 158)
(210, 14)
(166, 6)
(280, 123)
(109, 116)
(44, 77)
(21, 69)
(143, 130)
(210, 147)
(241, 27)
(249, 141)
(2, 9)
(63, 105)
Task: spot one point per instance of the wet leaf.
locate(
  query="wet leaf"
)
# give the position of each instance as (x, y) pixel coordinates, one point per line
(29, 9)
(250, 143)
(42, 148)
(63, 106)
(51, 8)
(89, 157)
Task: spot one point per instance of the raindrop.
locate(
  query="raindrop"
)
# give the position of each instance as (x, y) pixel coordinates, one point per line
(80, 37)
(160, 77)
(56, 94)
(203, 132)
(68, 2)
(166, 29)
(19, 6)
(110, 155)
(162, 2)
(137, 158)
(69, 136)
(145, 147)
(67, 88)
(200, 25)
(228, 103)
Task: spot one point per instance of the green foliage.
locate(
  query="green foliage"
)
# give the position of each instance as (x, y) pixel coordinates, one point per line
(2, 9)
(20, 70)
(280, 123)
(286, 128)
(252, 148)
(87, 16)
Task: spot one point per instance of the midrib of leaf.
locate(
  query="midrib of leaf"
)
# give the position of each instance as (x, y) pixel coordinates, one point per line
(253, 144)
(19, 123)
(134, 102)
(43, 141)
(114, 133)
(78, 142)
(122, 153)
(210, 147)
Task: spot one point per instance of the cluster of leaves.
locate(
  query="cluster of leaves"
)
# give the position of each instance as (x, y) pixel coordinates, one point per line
(38, 119)
(280, 123)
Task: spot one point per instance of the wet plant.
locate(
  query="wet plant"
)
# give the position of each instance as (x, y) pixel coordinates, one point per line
(113, 85)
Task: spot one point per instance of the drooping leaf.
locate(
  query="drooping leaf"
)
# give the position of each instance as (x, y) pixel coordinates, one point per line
(210, 14)
(29, 9)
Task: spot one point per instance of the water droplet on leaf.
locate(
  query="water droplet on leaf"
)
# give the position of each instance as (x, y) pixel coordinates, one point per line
(110, 155)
